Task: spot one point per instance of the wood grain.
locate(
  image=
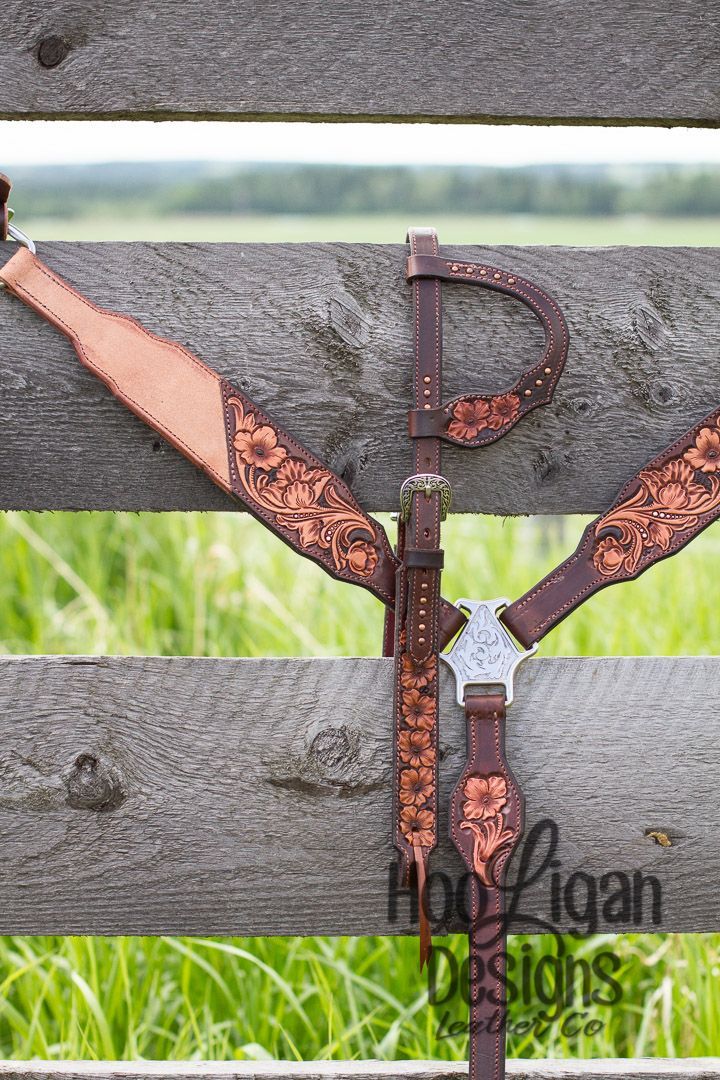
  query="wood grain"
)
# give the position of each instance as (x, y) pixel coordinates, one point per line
(320, 335)
(489, 61)
(199, 796)
(657, 1069)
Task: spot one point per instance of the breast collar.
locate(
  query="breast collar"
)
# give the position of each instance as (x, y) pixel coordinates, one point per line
(291, 491)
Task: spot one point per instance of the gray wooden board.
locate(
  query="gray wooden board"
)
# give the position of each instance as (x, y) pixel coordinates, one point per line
(495, 61)
(648, 1069)
(320, 335)
(204, 796)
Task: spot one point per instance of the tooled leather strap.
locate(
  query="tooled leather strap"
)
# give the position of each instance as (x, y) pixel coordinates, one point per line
(480, 419)
(417, 609)
(221, 431)
(5, 187)
(486, 825)
(665, 506)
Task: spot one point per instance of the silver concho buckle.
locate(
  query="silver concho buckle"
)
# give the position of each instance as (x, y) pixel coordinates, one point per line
(484, 654)
(429, 484)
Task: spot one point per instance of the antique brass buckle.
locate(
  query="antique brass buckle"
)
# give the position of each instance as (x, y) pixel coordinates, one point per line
(429, 484)
(484, 654)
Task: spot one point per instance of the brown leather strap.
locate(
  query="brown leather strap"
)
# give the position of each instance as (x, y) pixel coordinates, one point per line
(480, 419)
(665, 506)
(5, 187)
(417, 612)
(219, 429)
(486, 822)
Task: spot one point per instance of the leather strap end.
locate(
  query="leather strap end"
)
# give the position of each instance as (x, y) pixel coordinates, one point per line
(5, 188)
(427, 423)
(424, 559)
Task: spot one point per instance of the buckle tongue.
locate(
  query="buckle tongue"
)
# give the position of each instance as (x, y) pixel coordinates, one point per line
(484, 654)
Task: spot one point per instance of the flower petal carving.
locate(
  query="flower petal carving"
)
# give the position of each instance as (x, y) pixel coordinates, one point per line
(669, 500)
(471, 416)
(298, 498)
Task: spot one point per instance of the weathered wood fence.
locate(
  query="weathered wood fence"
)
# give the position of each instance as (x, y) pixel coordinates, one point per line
(89, 766)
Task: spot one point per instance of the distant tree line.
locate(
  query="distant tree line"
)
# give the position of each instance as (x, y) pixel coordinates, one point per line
(200, 188)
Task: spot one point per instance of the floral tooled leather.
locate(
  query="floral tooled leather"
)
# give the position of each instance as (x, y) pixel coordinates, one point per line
(486, 804)
(416, 750)
(668, 500)
(301, 500)
(479, 419)
(660, 510)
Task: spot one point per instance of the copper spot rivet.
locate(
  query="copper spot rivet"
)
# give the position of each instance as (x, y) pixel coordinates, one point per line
(538, 382)
(511, 281)
(483, 272)
(421, 626)
(548, 371)
(426, 393)
(497, 276)
(426, 406)
(421, 640)
(426, 379)
(455, 266)
(528, 393)
(422, 611)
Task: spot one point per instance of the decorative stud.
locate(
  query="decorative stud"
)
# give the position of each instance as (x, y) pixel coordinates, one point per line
(455, 267)
(427, 379)
(421, 640)
(511, 281)
(528, 393)
(421, 626)
(483, 273)
(538, 382)
(497, 276)
(426, 406)
(548, 371)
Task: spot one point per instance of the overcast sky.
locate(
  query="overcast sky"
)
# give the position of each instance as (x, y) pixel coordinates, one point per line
(69, 142)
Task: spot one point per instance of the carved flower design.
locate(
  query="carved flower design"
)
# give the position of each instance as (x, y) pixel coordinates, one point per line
(416, 748)
(609, 556)
(416, 786)
(486, 796)
(489, 836)
(503, 410)
(673, 486)
(259, 447)
(418, 710)
(362, 558)
(417, 825)
(469, 418)
(414, 675)
(705, 454)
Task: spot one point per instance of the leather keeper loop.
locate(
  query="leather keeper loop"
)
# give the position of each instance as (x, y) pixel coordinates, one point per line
(426, 423)
(420, 559)
(427, 266)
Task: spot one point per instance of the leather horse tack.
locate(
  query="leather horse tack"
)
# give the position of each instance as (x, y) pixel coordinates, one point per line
(468, 421)
(291, 491)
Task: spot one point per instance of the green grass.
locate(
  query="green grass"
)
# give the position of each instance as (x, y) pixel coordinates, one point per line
(388, 228)
(221, 585)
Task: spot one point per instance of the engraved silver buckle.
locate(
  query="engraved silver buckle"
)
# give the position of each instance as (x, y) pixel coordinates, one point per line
(429, 484)
(484, 654)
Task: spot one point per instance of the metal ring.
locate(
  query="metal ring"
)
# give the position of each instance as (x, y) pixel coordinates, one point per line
(429, 484)
(21, 238)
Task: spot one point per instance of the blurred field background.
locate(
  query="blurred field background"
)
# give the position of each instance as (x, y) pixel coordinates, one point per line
(219, 584)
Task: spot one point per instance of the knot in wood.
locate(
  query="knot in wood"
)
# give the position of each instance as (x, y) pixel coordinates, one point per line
(51, 51)
(93, 784)
(334, 750)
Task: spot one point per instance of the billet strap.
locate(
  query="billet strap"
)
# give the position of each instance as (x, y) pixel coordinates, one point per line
(480, 419)
(417, 609)
(660, 510)
(221, 431)
(486, 823)
(5, 188)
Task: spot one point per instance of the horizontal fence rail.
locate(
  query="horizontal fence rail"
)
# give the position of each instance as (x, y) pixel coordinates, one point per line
(320, 335)
(473, 61)
(628, 1069)
(201, 796)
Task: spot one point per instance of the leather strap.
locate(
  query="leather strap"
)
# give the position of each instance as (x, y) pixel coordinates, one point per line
(221, 431)
(417, 611)
(486, 823)
(5, 187)
(660, 510)
(480, 419)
